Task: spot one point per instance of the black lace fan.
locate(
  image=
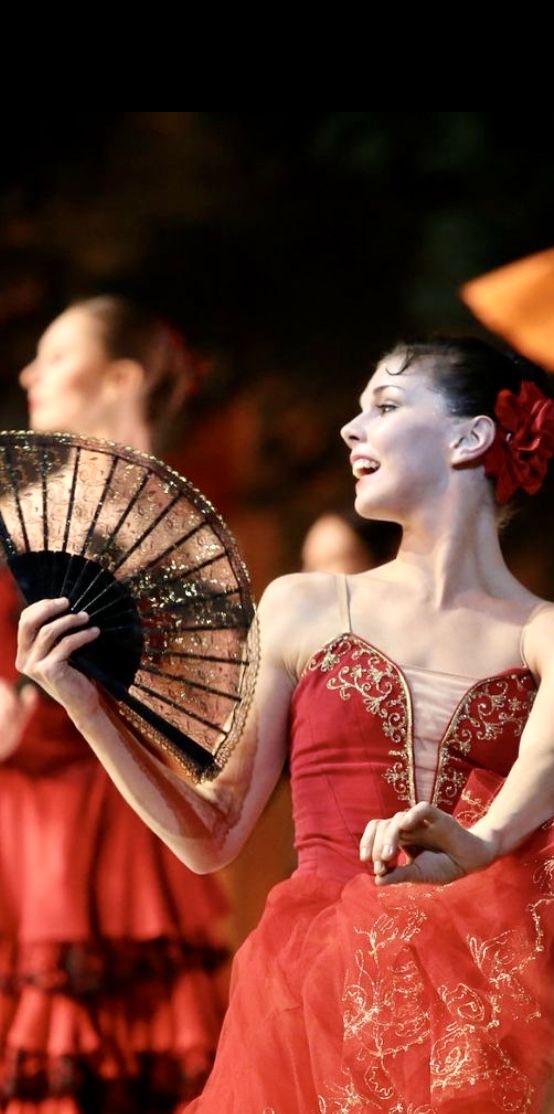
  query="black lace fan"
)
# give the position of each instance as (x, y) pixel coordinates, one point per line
(135, 545)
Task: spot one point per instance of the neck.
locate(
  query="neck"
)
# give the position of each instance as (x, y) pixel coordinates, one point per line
(126, 431)
(451, 552)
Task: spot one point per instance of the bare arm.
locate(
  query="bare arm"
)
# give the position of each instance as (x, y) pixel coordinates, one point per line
(524, 802)
(204, 824)
(526, 799)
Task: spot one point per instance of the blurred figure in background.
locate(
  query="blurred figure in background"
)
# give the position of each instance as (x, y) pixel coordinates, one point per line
(341, 541)
(111, 953)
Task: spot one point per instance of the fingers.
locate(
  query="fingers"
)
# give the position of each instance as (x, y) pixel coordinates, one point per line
(383, 839)
(431, 867)
(72, 642)
(40, 629)
(433, 829)
(439, 847)
(374, 842)
(409, 873)
(419, 817)
(380, 842)
(34, 617)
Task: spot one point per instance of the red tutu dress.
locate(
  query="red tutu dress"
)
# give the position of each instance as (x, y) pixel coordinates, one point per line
(348, 999)
(111, 954)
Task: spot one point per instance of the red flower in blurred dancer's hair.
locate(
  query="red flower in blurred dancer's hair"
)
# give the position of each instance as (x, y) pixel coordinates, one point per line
(524, 441)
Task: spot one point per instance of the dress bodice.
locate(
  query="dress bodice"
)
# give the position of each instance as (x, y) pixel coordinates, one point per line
(352, 746)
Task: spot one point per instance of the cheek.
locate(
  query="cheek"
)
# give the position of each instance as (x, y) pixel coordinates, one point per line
(412, 451)
(76, 385)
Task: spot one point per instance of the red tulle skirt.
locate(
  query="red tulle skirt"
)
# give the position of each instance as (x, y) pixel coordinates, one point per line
(112, 954)
(348, 999)
(112, 960)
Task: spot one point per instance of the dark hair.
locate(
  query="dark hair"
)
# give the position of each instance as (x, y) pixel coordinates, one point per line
(129, 331)
(469, 372)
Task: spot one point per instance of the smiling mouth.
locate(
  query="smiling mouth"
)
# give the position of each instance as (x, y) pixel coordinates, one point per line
(364, 466)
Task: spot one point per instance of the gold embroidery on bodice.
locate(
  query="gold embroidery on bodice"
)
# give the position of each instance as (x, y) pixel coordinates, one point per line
(381, 685)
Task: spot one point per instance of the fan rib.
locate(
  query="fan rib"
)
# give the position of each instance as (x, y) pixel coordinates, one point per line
(165, 553)
(207, 627)
(146, 533)
(187, 604)
(187, 681)
(82, 601)
(71, 498)
(44, 488)
(125, 513)
(128, 610)
(13, 481)
(179, 707)
(164, 653)
(100, 504)
(6, 539)
(68, 518)
(180, 575)
(203, 759)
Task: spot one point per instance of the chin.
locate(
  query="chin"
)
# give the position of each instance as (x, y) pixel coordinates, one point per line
(375, 511)
(57, 425)
(38, 426)
(367, 507)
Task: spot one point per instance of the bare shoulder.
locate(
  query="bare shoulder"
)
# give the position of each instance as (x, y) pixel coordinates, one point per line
(296, 598)
(539, 640)
(304, 589)
(297, 613)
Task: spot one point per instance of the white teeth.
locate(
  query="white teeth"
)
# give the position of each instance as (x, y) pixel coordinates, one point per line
(363, 466)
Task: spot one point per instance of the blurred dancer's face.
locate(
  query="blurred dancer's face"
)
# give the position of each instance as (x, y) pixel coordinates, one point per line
(331, 545)
(69, 384)
(400, 443)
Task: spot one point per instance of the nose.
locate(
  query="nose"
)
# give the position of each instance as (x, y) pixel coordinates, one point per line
(27, 375)
(351, 433)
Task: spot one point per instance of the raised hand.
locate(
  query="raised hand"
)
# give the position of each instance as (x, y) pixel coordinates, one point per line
(48, 634)
(438, 848)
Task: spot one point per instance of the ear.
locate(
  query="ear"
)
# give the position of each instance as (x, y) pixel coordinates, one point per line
(124, 378)
(472, 438)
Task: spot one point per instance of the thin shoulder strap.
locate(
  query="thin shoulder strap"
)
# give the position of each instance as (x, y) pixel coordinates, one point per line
(344, 603)
(539, 607)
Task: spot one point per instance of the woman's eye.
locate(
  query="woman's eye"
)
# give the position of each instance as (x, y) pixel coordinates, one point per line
(385, 407)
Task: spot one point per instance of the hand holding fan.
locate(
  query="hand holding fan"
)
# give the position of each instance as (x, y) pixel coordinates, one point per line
(127, 539)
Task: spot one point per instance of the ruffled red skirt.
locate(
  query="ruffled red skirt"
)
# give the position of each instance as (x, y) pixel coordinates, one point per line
(348, 999)
(112, 965)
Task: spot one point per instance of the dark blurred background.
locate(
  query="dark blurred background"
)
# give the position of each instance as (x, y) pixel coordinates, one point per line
(290, 247)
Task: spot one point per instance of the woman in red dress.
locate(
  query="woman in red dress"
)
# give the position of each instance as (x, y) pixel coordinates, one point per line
(111, 951)
(407, 964)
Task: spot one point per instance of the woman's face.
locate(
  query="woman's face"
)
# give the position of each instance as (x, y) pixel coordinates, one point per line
(400, 442)
(68, 384)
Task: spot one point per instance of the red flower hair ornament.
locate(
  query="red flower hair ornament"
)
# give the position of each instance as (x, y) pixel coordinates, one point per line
(524, 441)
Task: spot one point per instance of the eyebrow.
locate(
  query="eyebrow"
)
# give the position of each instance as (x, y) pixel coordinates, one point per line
(383, 387)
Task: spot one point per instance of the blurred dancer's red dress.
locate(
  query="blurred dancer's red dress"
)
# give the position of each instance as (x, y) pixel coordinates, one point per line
(352, 1000)
(110, 950)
